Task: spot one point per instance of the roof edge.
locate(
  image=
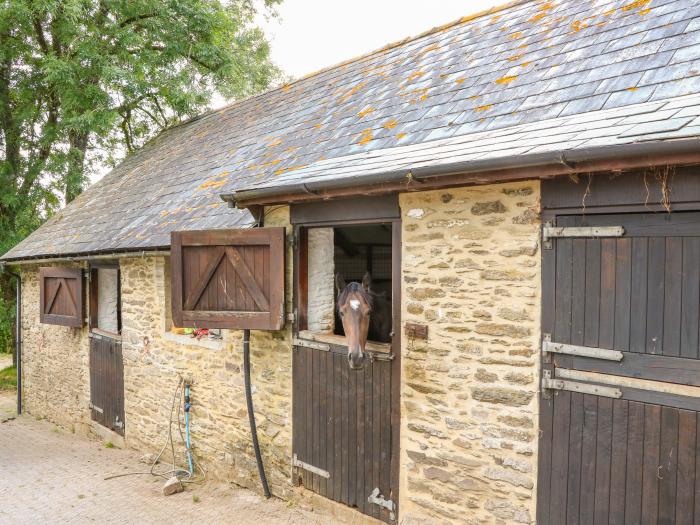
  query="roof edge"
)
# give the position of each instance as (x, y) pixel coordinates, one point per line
(82, 256)
(558, 162)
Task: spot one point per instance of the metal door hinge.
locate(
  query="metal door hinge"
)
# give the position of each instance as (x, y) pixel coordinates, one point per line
(580, 351)
(377, 499)
(296, 462)
(118, 424)
(574, 386)
(96, 408)
(549, 232)
(380, 356)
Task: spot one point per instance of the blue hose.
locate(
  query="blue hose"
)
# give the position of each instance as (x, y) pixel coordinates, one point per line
(188, 444)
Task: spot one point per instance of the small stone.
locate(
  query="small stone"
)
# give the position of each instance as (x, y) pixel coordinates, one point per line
(502, 396)
(172, 486)
(485, 377)
(487, 208)
(446, 197)
(502, 329)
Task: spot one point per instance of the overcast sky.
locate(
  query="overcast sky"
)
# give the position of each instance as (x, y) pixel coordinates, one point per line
(313, 34)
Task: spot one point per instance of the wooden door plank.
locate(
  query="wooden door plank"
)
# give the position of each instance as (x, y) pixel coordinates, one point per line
(339, 361)
(203, 281)
(635, 463)
(690, 291)
(687, 456)
(544, 469)
(603, 460)
(655, 295)
(607, 293)
(593, 249)
(385, 469)
(345, 460)
(588, 475)
(578, 292)
(668, 461)
(623, 289)
(315, 403)
(352, 437)
(560, 457)
(573, 484)
(562, 314)
(650, 480)
(673, 280)
(638, 300)
(324, 357)
(243, 270)
(360, 497)
(618, 462)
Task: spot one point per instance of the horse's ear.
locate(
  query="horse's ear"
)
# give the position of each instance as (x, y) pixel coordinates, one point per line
(367, 282)
(339, 283)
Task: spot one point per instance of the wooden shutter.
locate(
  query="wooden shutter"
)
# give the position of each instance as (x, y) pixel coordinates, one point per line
(61, 296)
(228, 278)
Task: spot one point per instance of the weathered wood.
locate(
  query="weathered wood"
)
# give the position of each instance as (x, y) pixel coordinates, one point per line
(61, 296)
(229, 278)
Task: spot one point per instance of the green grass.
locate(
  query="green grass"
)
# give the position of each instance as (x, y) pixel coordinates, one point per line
(8, 378)
(109, 444)
(195, 498)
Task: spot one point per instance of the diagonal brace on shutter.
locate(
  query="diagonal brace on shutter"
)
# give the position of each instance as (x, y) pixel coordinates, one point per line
(549, 232)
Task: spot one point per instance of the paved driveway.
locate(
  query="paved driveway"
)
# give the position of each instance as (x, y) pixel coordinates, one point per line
(50, 476)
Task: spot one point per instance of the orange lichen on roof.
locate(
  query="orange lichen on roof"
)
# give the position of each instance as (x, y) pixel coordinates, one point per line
(286, 87)
(515, 35)
(317, 126)
(390, 124)
(523, 45)
(427, 49)
(637, 4)
(459, 80)
(645, 11)
(525, 64)
(415, 75)
(537, 17)
(350, 92)
(515, 57)
(274, 142)
(367, 111)
(484, 107)
(290, 168)
(610, 12)
(366, 136)
(211, 184)
(494, 19)
(399, 136)
(577, 25)
(506, 79)
(633, 88)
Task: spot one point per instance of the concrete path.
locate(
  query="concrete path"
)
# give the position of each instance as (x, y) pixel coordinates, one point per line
(5, 360)
(51, 476)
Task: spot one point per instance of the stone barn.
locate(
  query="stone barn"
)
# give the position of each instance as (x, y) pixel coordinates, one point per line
(521, 186)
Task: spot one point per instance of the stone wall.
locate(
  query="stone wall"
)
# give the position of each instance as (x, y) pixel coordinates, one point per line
(154, 360)
(320, 312)
(55, 363)
(471, 271)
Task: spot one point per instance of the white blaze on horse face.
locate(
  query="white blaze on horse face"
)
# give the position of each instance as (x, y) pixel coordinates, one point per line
(354, 304)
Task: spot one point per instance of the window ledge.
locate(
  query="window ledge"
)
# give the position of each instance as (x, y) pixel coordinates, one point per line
(371, 346)
(211, 344)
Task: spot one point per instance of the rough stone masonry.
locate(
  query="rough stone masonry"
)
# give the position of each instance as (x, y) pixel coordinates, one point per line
(470, 270)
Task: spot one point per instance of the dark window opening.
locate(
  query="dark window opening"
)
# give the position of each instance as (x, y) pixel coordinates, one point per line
(351, 252)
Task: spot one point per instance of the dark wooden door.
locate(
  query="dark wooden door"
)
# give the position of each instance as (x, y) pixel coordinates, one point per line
(107, 382)
(343, 426)
(629, 458)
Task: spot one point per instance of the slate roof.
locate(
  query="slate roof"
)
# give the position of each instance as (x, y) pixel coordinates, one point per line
(526, 66)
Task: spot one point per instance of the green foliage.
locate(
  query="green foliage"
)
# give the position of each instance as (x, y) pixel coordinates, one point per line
(7, 324)
(109, 444)
(8, 378)
(82, 82)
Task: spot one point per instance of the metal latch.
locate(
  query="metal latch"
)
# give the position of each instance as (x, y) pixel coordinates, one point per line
(376, 498)
(118, 424)
(580, 351)
(296, 462)
(311, 344)
(380, 356)
(96, 408)
(574, 386)
(549, 232)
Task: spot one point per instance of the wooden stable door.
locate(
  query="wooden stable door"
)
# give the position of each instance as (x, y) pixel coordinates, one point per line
(107, 382)
(343, 427)
(620, 430)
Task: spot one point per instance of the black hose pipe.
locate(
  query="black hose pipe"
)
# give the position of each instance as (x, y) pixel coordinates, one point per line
(251, 413)
(18, 338)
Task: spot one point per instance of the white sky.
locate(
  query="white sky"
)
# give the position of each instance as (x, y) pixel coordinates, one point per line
(313, 34)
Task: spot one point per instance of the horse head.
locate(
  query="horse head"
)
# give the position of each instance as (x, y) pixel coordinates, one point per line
(354, 308)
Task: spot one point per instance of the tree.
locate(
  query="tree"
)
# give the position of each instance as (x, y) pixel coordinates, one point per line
(83, 82)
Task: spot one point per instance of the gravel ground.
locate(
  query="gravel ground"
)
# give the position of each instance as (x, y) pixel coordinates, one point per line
(51, 476)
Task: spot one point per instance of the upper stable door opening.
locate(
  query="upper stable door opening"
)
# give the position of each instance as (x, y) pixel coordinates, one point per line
(343, 254)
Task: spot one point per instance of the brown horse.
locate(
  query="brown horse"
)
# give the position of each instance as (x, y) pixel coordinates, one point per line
(362, 313)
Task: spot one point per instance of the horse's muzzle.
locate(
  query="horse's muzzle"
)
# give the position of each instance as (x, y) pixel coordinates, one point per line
(356, 360)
